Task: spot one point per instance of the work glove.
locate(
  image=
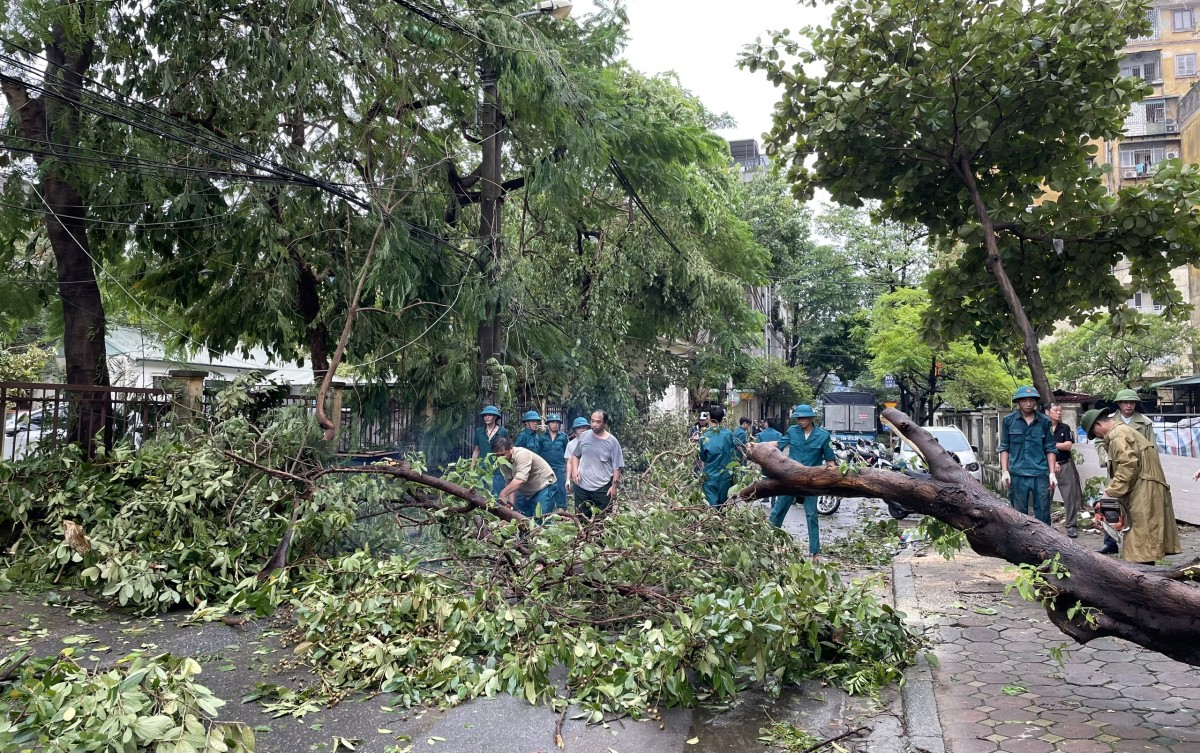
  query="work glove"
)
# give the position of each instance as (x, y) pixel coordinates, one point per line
(1005, 479)
(1053, 481)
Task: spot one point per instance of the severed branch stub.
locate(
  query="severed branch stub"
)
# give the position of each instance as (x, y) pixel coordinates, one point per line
(1146, 605)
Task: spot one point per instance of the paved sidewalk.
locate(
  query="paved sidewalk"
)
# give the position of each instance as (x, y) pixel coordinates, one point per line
(998, 687)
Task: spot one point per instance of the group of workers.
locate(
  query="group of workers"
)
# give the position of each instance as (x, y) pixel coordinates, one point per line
(1035, 456)
(804, 442)
(544, 463)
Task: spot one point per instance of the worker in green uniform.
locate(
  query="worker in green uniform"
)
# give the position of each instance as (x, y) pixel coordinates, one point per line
(769, 435)
(741, 438)
(809, 445)
(484, 435)
(716, 452)
(554, 447)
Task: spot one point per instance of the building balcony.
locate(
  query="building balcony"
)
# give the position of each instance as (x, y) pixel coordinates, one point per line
(1143, 128)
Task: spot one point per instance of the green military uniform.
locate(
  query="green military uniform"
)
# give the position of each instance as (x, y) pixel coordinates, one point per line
(1138, 422)
(1138, 481)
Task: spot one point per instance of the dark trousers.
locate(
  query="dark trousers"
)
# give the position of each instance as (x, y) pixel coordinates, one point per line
(1025, 489)
(589, 503)
(1072, 494)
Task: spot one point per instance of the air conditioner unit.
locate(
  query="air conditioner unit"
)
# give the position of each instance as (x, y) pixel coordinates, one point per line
(1129, 174)
(1172, 155)
(1172, 127)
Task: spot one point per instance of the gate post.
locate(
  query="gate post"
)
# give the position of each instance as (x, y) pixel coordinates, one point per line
(190, 394)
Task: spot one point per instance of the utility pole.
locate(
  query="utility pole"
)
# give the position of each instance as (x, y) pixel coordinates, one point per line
(490, 200)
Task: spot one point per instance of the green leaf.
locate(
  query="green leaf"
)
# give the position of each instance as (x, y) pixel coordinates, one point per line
(151, 728)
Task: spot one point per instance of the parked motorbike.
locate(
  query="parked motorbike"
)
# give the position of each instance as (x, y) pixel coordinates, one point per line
(863, 452)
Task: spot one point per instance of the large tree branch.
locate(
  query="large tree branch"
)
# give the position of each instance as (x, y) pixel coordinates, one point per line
(1143, 604)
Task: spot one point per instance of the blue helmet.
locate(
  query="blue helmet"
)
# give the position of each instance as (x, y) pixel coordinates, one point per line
(531, 415)
(490, 410)
(804, 411)
(553, 418)
(580, 422)
(1025, 391)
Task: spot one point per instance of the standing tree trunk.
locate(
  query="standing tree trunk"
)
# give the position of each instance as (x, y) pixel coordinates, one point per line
(490, 206)
(51, 124)
(995, 265)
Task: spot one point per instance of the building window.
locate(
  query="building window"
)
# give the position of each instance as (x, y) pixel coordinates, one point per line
(1156, 112)
(1141, 161)
(1183, 20)
(1147, 71)
(1152, 17)
(1185, 65)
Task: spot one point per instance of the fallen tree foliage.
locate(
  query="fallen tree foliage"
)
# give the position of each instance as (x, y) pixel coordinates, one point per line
(1086, 594)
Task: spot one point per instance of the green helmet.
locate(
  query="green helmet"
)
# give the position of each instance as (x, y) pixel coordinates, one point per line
(1126, 395)
(1024, 392)
(1088, 420)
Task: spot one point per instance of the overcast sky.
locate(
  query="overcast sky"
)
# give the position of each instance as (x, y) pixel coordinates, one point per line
(701, 39)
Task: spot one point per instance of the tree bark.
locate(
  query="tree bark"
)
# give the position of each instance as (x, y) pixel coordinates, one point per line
(1142, 604)
(51, 124)
(489, 337)
(995, 265)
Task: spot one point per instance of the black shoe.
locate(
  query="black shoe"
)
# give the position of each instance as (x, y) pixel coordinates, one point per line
(1072, 534)
(1108, 549)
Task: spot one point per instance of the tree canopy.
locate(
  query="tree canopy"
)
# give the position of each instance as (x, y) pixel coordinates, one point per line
(243, 171)
(1094, 358)
(976, 119)
(955, 373)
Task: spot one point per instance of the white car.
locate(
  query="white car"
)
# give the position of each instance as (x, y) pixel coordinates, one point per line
(952, 438)
(23, 431)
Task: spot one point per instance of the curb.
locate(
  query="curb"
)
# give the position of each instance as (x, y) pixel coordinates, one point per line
(921, 720)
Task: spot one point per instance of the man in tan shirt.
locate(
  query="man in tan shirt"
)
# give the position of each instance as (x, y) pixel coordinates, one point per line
(529, 475)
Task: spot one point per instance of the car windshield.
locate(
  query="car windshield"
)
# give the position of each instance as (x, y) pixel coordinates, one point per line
(953, 441)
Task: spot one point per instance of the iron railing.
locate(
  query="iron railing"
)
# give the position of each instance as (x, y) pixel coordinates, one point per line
(41, 416)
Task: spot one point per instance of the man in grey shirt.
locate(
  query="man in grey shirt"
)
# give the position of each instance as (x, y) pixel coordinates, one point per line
(595, 467)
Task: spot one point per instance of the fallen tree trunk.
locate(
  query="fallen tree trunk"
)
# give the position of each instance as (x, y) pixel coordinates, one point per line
(1145, 605)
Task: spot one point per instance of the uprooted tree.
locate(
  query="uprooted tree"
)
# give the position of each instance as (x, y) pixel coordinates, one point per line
(1086, 594)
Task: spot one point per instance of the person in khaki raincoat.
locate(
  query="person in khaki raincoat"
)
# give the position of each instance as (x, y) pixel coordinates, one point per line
(1138, 482)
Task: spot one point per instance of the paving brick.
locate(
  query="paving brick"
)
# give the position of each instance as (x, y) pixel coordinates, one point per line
(972, 746)
(1128, 732)
(1171, 719)
(1027, 745)
(1145, 693)
(1096, 692)
(1165, 704)
(1083, 746)
(1119, 717)
(1183, 734)
(1075, 731)
(1085, 678)
(1181, 680)
(980, 634)
(1012, 715)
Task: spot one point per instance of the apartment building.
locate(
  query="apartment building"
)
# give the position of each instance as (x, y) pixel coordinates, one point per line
(1166, 124)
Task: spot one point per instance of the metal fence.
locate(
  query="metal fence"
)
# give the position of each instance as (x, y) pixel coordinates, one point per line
(1177, 433)
(43, 416)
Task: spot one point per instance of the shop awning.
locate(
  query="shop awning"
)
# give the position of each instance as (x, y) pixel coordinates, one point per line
(1187, 381)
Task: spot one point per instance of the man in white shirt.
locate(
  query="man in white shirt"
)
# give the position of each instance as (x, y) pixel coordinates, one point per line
(595, 467)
